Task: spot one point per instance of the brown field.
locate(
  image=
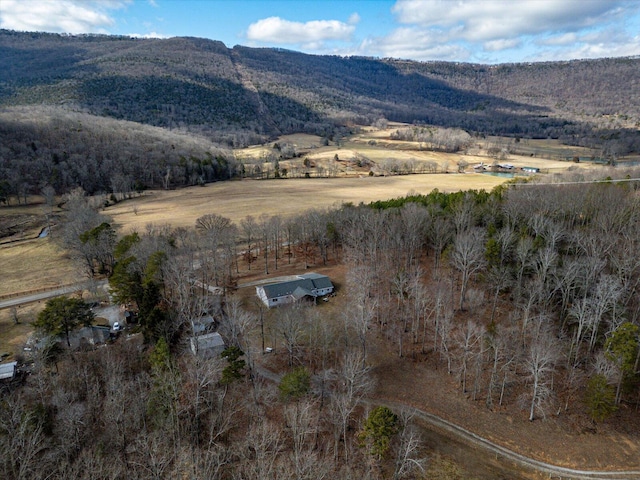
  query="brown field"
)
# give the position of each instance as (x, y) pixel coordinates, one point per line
(32, 264)
(547, 154)
(288, 197)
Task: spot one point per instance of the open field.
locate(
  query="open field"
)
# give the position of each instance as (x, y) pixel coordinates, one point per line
(38, 263)
(374, 150)
(286, 197)
(237, 199)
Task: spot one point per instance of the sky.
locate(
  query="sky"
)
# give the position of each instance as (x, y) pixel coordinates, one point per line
(476, 31)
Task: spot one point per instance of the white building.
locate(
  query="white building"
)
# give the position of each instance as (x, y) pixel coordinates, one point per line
(308, 285)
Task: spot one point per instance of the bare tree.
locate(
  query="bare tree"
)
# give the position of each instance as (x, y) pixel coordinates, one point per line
(540, 363)
(353, 383)
(290, 325)
(22, 442)
(249, 229)
(468, 339)
(409, 459)
(468, 257)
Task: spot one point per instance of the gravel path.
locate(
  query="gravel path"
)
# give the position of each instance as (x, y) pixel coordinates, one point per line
(471, 438)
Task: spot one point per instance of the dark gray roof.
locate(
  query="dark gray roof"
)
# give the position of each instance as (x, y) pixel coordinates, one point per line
(307, 282)
(208, 345)
(209, 340)
(301, 292)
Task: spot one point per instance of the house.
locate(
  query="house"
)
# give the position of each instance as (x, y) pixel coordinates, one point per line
(8, 371)
(208, 345)
(87, 337)
(311, 285)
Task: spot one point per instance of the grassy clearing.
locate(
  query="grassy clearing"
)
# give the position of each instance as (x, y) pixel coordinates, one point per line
(13, 336)
(31, 264)
(237, 199)
(39, 263)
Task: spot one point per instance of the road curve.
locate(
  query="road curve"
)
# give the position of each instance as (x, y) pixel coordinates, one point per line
(487, 445)
(518, 459)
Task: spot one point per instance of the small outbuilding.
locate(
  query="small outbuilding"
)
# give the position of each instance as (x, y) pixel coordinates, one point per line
(309, 285)
(208, 345)
(8, 371)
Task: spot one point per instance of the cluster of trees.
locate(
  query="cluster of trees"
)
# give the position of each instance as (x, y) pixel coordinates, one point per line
(527, 296)
(128, 411)
(532, 297)
(449, 140)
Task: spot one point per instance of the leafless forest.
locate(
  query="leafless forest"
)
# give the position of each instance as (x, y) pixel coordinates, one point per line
(527, 296)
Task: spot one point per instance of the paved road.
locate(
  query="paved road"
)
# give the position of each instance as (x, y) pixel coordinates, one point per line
(57, 292)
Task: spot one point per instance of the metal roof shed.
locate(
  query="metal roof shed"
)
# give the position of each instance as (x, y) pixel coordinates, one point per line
(8, 370)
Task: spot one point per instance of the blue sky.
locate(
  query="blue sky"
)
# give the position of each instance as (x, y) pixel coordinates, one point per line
(482, 31)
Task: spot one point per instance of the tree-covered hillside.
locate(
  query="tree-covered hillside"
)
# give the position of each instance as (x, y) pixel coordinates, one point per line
(241, 95)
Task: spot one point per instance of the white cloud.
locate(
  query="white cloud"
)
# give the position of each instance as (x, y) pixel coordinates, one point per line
(354, 19)
(628, 47)
(416, 44)
(68, 16)
(562, 39)
(280, 31)
(147, 35)
(501, 44)
(542, 28)
(496, 19)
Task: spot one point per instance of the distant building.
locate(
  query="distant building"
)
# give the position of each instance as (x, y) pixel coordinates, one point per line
(88, 337)
(311, 285)
(531, 169)
(208, 345)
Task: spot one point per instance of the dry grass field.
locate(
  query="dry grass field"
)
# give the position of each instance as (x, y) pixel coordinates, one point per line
(38, 263)
(286, 197)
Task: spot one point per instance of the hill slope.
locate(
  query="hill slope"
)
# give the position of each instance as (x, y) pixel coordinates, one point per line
(239, 95)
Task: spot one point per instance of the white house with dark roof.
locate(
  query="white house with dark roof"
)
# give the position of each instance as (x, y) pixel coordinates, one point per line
(308, 285)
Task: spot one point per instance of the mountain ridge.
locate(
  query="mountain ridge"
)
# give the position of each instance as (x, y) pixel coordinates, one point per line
(206, 87)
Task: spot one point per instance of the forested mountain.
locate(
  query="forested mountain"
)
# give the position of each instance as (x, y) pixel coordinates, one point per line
(241, 94)
(62, 98)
